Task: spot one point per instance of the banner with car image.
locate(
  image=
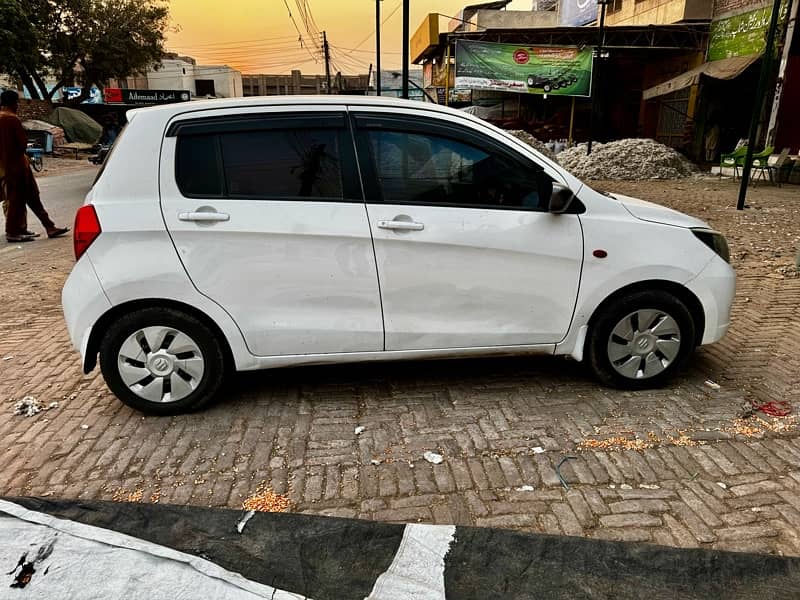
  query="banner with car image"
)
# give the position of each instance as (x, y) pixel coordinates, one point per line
(557, 70)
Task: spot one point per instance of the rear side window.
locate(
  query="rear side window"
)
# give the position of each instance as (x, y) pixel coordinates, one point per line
(282, 164)
(227, 159)
(198, 166)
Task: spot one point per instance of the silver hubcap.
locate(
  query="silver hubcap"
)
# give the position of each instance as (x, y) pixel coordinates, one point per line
(161, 364)
(644, 343)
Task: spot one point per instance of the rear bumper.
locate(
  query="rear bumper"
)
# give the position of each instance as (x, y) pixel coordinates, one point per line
(715, 286)
(84, 302)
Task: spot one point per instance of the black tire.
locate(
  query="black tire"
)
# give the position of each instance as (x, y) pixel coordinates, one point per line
(37, 164)
(208, 343)
(599, 338)
(547, 87)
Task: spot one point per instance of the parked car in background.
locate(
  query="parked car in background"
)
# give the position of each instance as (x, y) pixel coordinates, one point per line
(257, 233)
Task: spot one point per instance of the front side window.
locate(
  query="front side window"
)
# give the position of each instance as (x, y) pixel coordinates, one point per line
(417, 168)
(272, 163)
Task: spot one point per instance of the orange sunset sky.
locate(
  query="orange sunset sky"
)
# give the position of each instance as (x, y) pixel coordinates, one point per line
(257, 36)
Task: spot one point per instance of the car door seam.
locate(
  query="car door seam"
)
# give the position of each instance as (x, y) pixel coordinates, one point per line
(369, 220)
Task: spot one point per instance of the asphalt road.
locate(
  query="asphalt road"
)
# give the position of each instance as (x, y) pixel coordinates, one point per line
(62, 195)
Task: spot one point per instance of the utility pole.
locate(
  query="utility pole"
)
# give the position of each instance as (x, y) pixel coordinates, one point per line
(595, 73)
(327, 60)
(758, 102)
(378, 47)
(406, 33)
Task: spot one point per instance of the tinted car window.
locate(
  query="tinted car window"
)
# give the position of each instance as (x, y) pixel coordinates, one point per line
(198, 170)
(283, 163)
(418, 168)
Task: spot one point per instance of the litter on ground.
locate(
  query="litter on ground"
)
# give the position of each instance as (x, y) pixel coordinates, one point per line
(532, 141)
(28, 406)
(433, 458)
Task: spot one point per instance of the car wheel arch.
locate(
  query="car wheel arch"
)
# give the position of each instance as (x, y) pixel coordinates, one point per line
(104, 322)
(681, 292)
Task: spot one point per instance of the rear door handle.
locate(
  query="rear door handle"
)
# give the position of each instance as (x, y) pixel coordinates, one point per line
(204, 216)
(401, 225)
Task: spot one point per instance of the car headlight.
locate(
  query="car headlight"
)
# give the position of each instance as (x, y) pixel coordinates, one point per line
(714, 240)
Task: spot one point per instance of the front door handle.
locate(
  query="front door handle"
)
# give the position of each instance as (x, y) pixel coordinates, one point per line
(203, 217)
(401, 225)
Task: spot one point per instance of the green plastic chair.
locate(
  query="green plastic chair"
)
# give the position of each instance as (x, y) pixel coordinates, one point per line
(761, 162)
(733, 159)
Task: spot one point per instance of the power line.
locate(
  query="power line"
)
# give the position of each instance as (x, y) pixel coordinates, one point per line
(300, 39)
(372, 33)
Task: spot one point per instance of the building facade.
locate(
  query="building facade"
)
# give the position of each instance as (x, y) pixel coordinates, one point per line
(296, 84)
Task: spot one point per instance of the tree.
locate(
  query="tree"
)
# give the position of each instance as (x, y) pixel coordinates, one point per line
(85, 42)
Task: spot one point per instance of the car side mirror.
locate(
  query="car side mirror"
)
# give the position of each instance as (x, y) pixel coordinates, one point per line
(560, 199)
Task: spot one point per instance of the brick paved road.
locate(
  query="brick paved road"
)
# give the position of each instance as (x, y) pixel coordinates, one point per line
(294, 429)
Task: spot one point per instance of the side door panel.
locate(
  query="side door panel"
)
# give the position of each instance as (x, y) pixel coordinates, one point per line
(297, 273)
(454, 270)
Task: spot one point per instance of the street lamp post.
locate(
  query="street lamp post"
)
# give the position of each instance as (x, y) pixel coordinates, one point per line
(599, 56)
(406, 34)
(378, 47)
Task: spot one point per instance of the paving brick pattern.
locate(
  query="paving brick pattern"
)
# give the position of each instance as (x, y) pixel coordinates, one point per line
(502, 425)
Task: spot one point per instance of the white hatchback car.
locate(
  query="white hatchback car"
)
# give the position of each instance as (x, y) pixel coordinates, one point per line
(267, 232)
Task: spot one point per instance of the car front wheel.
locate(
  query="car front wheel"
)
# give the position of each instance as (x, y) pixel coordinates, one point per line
(162, 361)
(640, 340)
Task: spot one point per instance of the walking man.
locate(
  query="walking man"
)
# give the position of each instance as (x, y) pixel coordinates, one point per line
(17, 183)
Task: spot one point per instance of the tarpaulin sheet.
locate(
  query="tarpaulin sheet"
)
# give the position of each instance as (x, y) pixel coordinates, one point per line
(78, 126)
(324, 558)
(727, 68)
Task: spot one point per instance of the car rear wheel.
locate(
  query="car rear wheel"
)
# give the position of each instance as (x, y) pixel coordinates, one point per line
(640, 340)
(162, 361)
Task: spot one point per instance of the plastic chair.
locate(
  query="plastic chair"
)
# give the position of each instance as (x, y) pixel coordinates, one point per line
(733, 159)
(761, 163)
(778, 166)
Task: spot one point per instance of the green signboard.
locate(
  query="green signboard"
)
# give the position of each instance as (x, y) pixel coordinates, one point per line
(562, 71)
(741, 35)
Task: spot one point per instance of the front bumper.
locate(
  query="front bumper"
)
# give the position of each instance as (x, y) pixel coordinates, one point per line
(84, 302)
(715, 286)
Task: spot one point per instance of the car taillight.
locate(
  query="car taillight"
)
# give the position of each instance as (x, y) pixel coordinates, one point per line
(87, 228)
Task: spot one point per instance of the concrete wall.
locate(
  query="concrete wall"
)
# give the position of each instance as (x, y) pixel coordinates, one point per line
(227, 82)
(515, 19)
(660, 12)
(729, 8)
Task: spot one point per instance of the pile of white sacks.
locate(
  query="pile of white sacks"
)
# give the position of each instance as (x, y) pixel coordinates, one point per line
(632, 159)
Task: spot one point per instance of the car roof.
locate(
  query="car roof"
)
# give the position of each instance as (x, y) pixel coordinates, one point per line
(169, 110)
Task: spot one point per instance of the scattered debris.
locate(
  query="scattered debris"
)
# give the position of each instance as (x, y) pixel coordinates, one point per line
(616, 443)
(711, 384)
(722, 485)
(265, 500)
(122, 495)
(537, 145)
(84, 427)
(649, 486)
(375, 462)
(433, 458)
(538, 450)
(525, 488)
(625, 486)
(631, 159)
(243, 521)
(360, 429)
(52, 405)
(774, 408)
(558, 470)
(28, 406)
(8, 357)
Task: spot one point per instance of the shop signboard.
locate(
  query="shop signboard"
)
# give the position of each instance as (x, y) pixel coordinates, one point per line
(145, 97)
(741, 35)
(556, 70)
(576, 13)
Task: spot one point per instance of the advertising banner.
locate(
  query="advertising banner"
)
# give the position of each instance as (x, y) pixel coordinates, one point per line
(576, 13)
(145, 97)
(561, 71)
(741, 35)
